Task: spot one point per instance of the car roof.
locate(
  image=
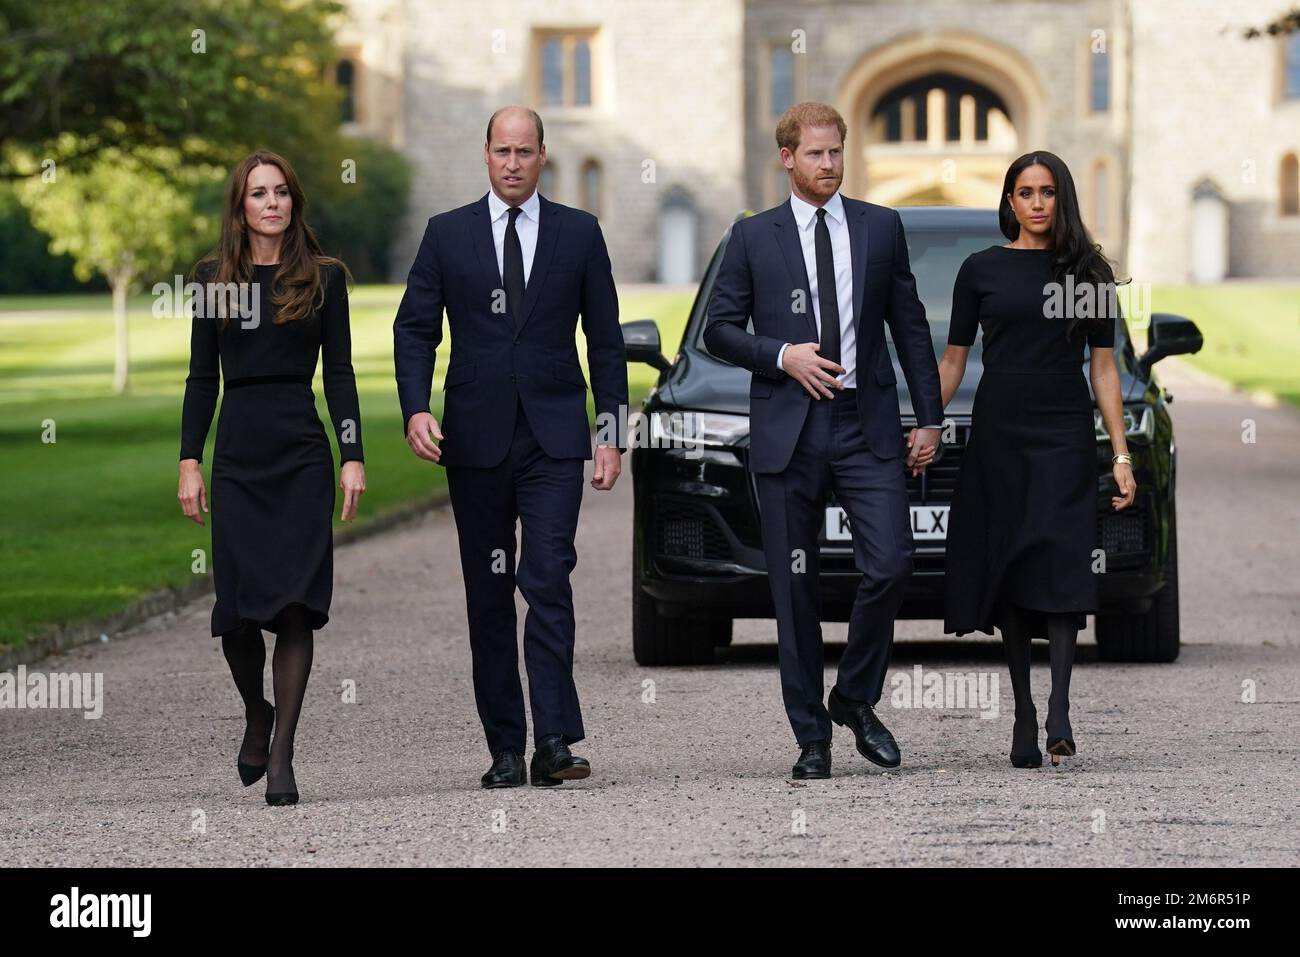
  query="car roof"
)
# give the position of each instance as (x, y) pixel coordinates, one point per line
(937, 216)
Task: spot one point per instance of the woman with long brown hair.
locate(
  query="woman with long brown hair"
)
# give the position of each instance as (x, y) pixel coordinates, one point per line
(273, 303)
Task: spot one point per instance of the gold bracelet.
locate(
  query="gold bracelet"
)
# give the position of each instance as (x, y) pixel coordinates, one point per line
(1122, 459)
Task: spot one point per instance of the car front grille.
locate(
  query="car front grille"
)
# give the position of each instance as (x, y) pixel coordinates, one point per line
(687, 530)
(936, 484)
(1125, 537)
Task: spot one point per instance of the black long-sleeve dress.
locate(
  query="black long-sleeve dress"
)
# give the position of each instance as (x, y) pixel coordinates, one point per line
(1023, 523)
(272, 494)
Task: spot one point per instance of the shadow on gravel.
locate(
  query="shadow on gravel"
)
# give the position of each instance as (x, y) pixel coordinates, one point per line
(905, 652)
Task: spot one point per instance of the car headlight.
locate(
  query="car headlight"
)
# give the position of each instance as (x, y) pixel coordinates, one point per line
(680, 429)
(1139, 423)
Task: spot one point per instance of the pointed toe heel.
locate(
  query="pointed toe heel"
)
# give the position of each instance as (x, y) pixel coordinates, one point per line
(250, 774)
(1060, 748)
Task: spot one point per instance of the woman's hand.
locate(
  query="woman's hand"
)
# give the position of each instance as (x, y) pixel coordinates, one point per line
(191, 492)
(353, 482)
(1127, 486)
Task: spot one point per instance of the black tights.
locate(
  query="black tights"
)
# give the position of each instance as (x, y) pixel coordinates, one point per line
(245, 652)
(1061, 638)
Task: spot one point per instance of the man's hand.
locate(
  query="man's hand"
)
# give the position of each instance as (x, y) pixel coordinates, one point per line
(609, 463)
(418, 429)
(923, 443)
(817, 375)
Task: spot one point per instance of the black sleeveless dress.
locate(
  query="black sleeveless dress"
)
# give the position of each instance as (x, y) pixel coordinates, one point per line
(1023, 523)
(272, 492)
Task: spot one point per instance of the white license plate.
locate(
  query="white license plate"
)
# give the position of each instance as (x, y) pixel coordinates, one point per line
(929, 523)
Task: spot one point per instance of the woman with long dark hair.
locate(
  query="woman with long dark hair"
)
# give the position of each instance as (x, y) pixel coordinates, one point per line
(1022, 526)
(273, 304)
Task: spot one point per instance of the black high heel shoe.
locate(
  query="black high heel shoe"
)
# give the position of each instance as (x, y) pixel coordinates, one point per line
(252, 773)
(1060, 748)
(283, 798)
(1024, 736)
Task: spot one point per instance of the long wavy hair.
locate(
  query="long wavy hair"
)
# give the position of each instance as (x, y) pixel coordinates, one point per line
(1074, 251)
(297, 288)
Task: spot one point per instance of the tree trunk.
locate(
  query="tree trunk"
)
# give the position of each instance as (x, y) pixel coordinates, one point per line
(120, 282)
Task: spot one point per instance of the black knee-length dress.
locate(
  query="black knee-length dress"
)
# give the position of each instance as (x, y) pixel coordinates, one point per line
(272, 493)
(1022, 526)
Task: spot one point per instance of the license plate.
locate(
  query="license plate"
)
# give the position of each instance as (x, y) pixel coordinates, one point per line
(929, 523)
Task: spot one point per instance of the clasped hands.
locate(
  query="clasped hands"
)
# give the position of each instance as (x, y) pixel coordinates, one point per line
(817, 376)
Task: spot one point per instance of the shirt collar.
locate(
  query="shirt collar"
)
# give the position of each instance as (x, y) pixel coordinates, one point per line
(496, 208)
(805, 213)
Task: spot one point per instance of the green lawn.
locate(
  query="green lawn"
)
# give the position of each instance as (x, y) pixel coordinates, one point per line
(90, 521)
(1252, 333)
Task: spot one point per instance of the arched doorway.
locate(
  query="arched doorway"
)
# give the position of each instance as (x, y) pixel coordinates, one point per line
(936, 118)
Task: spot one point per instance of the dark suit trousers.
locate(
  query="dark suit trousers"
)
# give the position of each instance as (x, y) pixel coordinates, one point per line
(543, 494)
(831, 453)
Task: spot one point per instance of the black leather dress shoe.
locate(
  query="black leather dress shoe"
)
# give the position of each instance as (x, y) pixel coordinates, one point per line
(553, 763)
(507, 771)
(814, 761)
(875, 743)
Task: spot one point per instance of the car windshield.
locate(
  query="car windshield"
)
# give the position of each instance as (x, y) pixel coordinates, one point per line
(936, 255)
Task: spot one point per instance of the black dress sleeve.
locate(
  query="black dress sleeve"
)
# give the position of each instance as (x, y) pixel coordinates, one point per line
(1102, 334)
(336, 358)
(965, 321)
(202, 384)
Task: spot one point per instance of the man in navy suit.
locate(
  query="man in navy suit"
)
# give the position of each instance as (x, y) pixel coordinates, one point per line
(821, 275)
(514, 271)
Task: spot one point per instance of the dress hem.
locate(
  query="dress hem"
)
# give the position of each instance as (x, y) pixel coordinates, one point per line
(317, 619)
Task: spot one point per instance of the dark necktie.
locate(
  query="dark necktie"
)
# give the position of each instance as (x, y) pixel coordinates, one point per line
(513, 257)
(827, 295)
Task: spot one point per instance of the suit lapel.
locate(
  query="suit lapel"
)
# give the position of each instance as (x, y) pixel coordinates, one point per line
(485, 246)
(550, 218)
(855, 214)
(787, 237)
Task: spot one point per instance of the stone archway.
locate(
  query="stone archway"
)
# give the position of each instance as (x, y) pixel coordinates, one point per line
(934, 169)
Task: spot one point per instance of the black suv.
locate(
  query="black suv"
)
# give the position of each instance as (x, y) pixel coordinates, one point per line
(697, 558)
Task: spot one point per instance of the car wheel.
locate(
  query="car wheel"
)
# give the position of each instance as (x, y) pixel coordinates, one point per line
(1153, 636)
(660, 640)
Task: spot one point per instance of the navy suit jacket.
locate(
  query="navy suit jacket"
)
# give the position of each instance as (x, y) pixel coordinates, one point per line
(497, 356)
(761, 271)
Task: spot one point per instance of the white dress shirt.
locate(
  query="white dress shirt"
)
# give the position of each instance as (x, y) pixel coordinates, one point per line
(525, 226)
(805, 216)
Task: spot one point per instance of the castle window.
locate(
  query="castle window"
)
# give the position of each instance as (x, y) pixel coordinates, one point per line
(1289, 187)
(1099, 81)
(1292, 65)
(780, 79)
(591, 187)
(563, 67)
(345, 76)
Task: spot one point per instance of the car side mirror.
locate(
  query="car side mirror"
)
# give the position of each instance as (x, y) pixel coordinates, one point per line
(641, 342)
(1170, 335)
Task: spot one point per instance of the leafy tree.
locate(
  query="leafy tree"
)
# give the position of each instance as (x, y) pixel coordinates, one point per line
(128, 216)
(207, 78)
